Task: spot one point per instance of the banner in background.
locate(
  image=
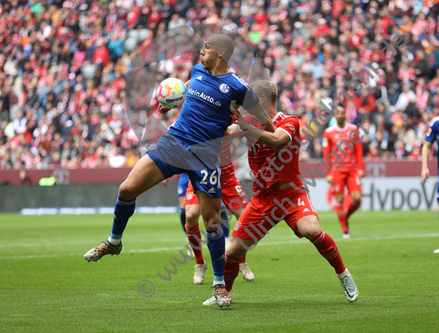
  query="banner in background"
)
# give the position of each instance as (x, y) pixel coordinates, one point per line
(383, 194)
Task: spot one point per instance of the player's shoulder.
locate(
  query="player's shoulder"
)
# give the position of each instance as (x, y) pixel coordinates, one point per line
(237, 82)
(282, 117)
(330, 129)
(434, 123)
(350, 126)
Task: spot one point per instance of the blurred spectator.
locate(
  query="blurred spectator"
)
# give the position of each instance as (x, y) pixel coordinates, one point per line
(63, 66)
(23, 179)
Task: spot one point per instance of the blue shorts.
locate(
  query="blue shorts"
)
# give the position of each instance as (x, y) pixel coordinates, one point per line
(202, 165)
(183, 183)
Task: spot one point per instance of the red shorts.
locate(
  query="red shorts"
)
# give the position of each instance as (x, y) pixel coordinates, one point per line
(265, 211)
(345, 178)
(233, 196)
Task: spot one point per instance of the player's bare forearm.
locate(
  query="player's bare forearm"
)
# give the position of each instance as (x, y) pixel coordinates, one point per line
(259, 112)
(276, 139)
(425, 172)
(187, 83)
(425, 153)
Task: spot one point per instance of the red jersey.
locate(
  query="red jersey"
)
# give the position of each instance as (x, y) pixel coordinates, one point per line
(227, 169)
(270, 167)
(354, 156)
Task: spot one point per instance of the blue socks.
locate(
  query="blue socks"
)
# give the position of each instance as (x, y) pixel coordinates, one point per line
(216, 244)
(183, 218)
(123, 210)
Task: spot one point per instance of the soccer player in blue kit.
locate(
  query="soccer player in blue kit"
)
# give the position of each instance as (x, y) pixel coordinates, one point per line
(430, 137)
(192, 145)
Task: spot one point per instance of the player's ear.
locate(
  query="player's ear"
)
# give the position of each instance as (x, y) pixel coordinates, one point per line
(221, 53)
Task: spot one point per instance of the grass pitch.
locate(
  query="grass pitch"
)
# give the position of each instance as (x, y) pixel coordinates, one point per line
(46, 285)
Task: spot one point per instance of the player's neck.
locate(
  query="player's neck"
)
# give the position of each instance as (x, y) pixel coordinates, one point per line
(341, 125)
(273, 112)
(220, 69)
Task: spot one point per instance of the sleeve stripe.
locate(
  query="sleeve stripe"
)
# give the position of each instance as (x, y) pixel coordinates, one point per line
(291, 139)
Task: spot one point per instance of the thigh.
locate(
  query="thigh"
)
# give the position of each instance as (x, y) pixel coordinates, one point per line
(144, 175)
(304, 208)
(353, 182)
(339, 182)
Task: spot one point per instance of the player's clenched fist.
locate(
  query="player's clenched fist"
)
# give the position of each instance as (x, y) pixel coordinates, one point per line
(163, 109)
(425, 174)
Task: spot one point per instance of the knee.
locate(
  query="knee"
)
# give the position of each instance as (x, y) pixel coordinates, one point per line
(192, 218)
(310, 231)
(339, 198)
(127, 191)
(357, 200)
(235, 250)
(212, 220)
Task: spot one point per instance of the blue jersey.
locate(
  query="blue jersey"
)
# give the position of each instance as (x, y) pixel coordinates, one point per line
(433, 130)
(205, 114)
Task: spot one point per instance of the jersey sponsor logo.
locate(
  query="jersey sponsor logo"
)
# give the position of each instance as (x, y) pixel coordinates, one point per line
(203, 96)
(224, 88)
(200, 78)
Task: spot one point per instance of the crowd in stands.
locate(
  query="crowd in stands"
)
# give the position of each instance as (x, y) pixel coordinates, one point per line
(63, 65)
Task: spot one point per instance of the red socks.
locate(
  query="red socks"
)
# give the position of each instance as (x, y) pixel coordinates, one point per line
(194, 236)
(342, 216)
(243, 259)
(327, 248)
(351, 209)
(231, 271)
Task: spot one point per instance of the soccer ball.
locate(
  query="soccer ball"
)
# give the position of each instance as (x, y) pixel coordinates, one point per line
(171, 93)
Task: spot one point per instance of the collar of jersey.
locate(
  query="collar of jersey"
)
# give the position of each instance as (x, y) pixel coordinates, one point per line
(341, 129)
(221, 75)
(275, 117)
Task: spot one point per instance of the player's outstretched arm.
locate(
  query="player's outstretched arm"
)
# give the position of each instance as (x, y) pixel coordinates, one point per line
(360, 160)
(259, 112)
(278, 138)
(425, 173)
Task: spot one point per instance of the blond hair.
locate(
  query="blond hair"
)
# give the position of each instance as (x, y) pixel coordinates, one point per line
(266, 88)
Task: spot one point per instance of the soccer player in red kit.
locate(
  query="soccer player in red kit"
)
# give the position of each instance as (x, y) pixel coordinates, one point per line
(279, 194)
(348, 171)
(234, 199)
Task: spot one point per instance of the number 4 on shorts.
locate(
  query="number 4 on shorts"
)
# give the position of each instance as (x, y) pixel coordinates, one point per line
(301, 203)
